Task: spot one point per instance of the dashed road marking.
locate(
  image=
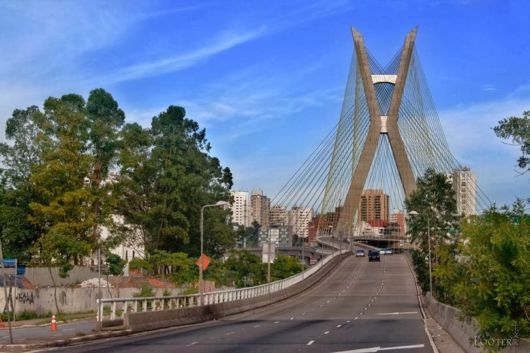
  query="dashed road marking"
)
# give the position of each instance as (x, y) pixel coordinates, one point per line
(326, 332)
(339, 326)
(192, 344)
(310, 342)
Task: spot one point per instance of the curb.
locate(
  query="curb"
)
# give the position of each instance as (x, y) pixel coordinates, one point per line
(67, 341)
(418, 296)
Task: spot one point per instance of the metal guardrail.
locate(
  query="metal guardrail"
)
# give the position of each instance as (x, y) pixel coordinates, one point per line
(120, 306)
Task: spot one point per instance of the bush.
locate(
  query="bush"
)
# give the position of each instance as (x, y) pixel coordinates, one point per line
(145, 291)
(495, 286)
(421, 267)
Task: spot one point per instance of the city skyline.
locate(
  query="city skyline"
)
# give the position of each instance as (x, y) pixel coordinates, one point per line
(258, 90)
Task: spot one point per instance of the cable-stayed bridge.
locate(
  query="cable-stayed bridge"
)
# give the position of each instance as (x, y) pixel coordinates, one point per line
(388, 135)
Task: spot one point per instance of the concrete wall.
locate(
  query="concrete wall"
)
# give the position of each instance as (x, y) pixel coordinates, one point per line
(151, 320)
(463, 331)
(70, 300)
(40, 276)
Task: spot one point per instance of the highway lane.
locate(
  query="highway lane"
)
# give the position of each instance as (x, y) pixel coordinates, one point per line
(361, 305)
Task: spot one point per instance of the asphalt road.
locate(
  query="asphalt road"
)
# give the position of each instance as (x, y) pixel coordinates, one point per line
(360, 307)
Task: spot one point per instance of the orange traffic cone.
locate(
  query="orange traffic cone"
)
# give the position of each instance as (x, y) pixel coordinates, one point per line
(53, 324)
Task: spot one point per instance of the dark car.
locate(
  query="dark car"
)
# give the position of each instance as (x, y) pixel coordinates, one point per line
(373, 255)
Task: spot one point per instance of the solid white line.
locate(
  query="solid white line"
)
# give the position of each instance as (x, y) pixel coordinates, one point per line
(310, 342)
(402, 347)
(399, 313)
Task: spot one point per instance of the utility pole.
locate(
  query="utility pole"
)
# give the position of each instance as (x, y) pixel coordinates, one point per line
(269, 258)
(5, 294)
(430, 261)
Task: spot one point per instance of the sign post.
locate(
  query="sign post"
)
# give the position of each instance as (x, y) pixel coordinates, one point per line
(5, 293)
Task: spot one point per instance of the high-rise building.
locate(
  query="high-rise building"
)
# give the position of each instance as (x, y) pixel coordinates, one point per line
(465, 186)
(397, 222)
(241, 208)
(260, 209)
(299, 218)
(374, 206)
(278, 216)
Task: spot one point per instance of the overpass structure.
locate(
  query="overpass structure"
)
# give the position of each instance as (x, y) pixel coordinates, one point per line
(358, 306)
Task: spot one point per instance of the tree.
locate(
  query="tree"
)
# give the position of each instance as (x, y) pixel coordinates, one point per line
(248, 236)
(435, 203)
(61, 208)
(115, 264)
(245, 269)
(18, 159)
(496, 267)
(285, 266)
(518, 130)
(104, 119)
(167, 175)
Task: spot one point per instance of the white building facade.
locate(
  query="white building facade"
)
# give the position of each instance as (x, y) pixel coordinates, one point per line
(465, 186)
(299, 218)
(241, 208)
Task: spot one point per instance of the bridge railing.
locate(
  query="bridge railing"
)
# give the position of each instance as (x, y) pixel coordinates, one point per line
(116, 308)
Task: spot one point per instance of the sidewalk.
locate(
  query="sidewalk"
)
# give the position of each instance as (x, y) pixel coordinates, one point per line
(34, 332)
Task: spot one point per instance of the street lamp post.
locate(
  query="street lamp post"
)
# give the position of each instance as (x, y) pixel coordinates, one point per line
(217, 204)
(414, 213)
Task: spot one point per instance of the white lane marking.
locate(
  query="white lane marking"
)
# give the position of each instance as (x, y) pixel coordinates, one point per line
(276, 322)
(339, 326)
(257, 326)
(310, 342)
(356, 318)
(379, 349)
(326, 332)
(292, 318)
(348, 321)
(192, 343)
(399, 313)
(230, 333)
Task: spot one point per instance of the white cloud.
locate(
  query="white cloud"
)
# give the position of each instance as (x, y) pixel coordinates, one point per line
(223, 42)
(469, 131)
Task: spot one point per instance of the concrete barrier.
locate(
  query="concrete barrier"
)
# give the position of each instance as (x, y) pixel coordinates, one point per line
(464, 331)
(151, 320)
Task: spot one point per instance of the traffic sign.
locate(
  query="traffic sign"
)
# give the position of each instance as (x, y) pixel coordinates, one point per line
(205, 261)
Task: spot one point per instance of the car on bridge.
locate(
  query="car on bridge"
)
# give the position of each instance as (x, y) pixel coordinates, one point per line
(388, 251)
(373, 255)
(359, 253)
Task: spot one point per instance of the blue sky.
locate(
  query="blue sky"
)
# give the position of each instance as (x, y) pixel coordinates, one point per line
(266, 78)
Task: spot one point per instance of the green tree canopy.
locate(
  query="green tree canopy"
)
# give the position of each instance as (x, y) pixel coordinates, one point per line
(167, 175)
(496, 272)
(517, 129)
